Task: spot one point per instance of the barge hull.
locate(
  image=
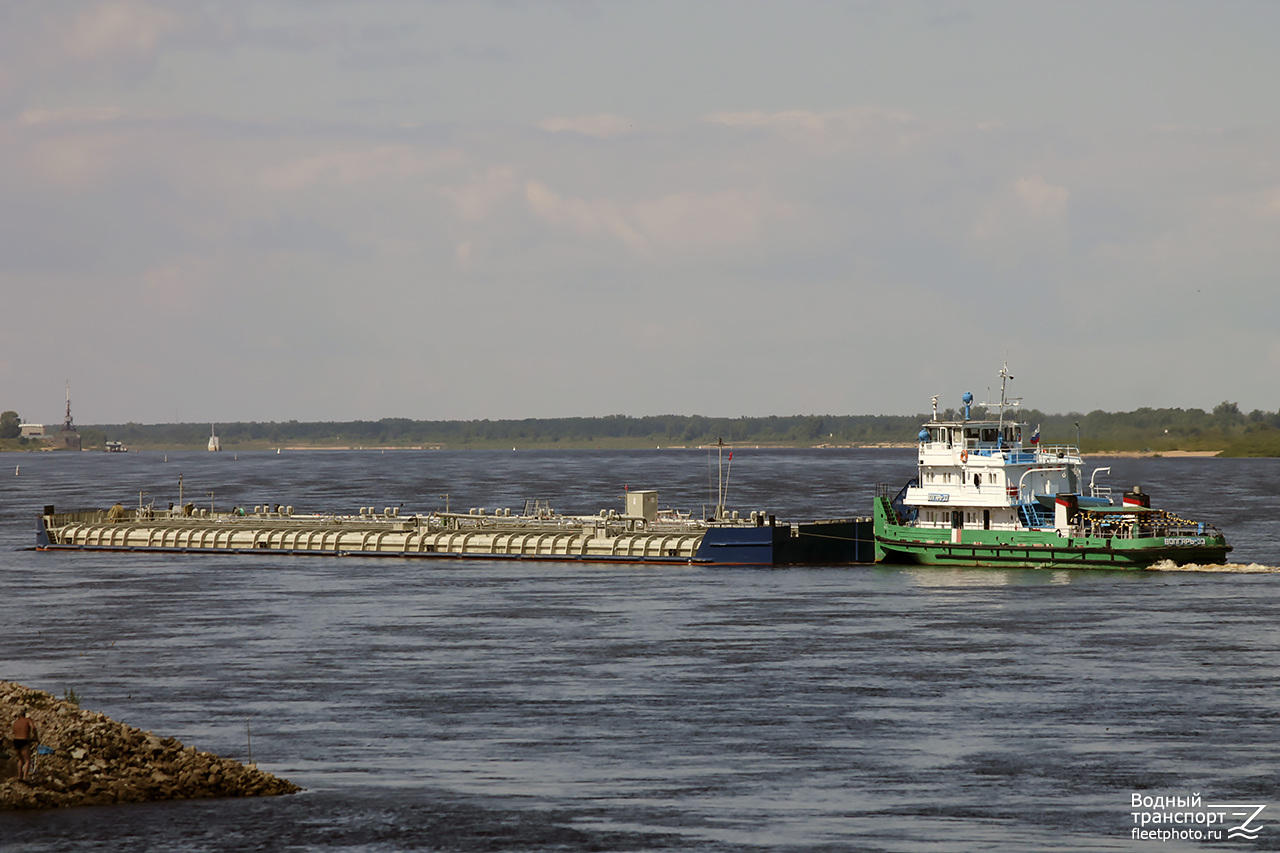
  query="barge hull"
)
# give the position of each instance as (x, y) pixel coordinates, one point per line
(429, 555)
(836, 542)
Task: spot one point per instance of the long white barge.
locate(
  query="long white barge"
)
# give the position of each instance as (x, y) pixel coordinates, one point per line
(639, 534)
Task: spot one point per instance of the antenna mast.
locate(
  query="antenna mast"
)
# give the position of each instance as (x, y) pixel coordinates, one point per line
(1005, 378)
(720, 480)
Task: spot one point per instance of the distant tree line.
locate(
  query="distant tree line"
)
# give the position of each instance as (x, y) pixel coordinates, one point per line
(10, 425)
(611, 430)
(1225, 428)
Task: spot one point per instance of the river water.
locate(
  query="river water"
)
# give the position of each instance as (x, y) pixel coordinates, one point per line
(489, 705)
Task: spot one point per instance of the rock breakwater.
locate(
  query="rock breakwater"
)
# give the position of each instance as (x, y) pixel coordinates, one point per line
(97, 761)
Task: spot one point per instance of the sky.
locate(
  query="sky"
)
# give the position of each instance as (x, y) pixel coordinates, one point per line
(277, 210)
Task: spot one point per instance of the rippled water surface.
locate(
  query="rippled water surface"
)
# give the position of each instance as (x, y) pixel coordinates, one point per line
(486, 705)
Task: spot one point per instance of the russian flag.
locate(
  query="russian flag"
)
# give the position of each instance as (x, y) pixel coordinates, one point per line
(1035, 438)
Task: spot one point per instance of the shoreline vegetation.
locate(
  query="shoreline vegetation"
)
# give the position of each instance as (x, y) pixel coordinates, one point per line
(1226, 431)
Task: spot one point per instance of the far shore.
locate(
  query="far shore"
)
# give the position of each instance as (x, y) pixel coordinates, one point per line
(1148, 454)
(1132, 454)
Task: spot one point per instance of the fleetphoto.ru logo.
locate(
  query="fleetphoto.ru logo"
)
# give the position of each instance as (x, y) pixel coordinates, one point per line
(1166, 818)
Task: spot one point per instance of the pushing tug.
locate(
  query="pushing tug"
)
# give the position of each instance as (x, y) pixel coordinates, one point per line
(988, 493)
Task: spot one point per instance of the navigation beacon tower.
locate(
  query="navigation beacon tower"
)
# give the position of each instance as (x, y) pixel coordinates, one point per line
(68, 438)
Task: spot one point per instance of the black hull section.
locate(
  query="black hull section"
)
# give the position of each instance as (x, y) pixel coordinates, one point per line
(840, 542)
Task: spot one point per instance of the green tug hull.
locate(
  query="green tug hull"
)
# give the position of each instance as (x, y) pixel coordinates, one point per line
(1040, 549)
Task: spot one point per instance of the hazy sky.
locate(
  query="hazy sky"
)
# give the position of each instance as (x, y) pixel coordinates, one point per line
(278, 209)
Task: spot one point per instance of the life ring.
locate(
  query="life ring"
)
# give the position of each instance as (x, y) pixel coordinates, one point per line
(964, 456)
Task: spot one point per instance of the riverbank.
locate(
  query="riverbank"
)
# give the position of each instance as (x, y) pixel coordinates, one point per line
(90, 759)
(1154, 454)
(285, 448)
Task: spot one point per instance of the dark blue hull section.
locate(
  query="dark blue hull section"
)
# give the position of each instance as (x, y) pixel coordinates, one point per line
(742, 546)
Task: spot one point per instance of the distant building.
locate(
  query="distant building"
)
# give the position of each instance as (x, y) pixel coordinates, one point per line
(31, 430)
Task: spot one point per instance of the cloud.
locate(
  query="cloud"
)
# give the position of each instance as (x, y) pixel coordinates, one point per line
(584, 217)
(1214, 260)
(183, 286)
(792, 237)
(463, 252)
(1041, 199)
(118, 33)
(354, 166)
(684, 222)
(832, 129)
(483, 195)
(81, 161)
(601, 126)
(47, 44)
(1025, 220)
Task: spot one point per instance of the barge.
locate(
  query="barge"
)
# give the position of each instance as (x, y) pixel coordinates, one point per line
(985, 495)
(639, 534)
